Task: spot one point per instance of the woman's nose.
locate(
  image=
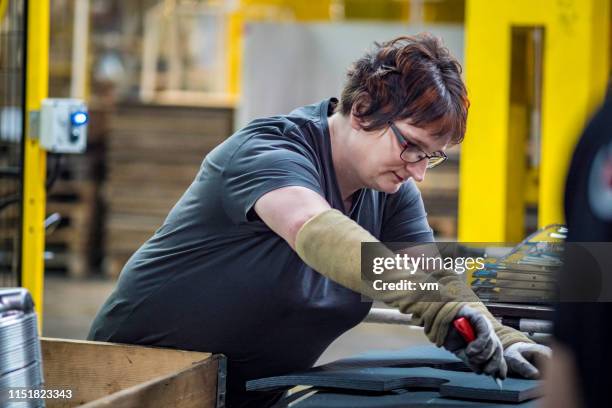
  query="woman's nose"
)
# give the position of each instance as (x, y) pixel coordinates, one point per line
(417, 170)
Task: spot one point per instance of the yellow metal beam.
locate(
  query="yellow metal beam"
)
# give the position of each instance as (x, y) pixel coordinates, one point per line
(262, 10)
(575, 73)
(3, 8)
(37, 69)
(576, 70)
(234, 51)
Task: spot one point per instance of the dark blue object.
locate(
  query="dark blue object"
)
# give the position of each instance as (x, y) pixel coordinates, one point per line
(360, 374)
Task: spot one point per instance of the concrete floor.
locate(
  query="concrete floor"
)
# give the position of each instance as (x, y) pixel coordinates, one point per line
(70, 305)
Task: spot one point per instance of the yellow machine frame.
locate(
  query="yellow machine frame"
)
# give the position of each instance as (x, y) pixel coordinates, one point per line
(34, 167)
(3, 8)
(575, 74)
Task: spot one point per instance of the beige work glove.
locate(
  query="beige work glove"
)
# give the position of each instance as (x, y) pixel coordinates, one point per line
(330, 243)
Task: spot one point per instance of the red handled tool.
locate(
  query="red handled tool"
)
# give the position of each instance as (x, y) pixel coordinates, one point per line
(464, 327)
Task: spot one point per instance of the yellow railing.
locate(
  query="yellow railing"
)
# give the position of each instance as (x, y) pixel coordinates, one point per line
(37, 72)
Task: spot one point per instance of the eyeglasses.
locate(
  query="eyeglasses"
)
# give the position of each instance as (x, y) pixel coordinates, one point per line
(413, 154)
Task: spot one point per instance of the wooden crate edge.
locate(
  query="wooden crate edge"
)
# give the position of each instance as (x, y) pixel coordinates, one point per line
(148, 393)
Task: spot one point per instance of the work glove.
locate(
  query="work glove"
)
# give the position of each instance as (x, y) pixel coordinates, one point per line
(523, 358)
(485, 353)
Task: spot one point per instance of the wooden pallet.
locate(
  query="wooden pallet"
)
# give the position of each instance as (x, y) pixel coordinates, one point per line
(70, 244)
(74, 247)
(153, 154)
(440, 191)
(444, 227)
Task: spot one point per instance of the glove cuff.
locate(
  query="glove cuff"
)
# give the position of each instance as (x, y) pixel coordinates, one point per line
(507, 335)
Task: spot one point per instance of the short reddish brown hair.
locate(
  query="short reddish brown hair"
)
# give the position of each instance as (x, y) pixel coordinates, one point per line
(412, 77)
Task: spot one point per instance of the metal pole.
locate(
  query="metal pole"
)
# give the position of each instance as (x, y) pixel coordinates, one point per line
(80, 34)
(392, 316)
(388, 316)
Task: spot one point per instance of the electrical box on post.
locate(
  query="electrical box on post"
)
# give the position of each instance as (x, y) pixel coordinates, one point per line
(63, 125)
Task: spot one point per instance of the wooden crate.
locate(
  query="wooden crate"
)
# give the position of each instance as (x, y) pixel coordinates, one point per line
(121, 376)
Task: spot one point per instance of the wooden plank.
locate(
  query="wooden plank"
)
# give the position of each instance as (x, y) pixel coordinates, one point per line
(445, 227)
(74, 242)
(95, 369)
(117, 192)
(149, 189)
(147, 200)
(130, 237)
(113, 264)
(156, 139)
(83, 189)
(162, 173)
(194, 387)
(77, 212)
(196, 98)
(194, 157)
(172, 123)
(138, 205)
(130, 222)
(74, 263)
(133, 109)
(73, 238)
(74, 186)
(85, 167)
(125, 242)
(440, 206)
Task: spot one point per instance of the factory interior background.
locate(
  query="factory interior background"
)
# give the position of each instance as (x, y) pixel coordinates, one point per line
(165, 81)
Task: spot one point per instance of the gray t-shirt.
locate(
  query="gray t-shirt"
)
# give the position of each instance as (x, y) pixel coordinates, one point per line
(215, 278)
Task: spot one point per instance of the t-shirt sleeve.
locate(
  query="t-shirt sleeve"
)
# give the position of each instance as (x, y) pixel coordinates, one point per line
(405, 219)
(262, 165)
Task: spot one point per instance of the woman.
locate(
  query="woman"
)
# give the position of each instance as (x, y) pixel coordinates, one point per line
(256, 260)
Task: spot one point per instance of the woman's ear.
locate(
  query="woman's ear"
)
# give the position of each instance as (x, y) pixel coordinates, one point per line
(359, 105)
(355, 122)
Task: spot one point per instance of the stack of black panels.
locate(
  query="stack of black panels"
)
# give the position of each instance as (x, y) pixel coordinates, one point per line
(407, 399)
(415, 376)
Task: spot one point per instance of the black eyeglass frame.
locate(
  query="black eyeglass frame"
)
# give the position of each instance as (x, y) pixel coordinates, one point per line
(433, 160)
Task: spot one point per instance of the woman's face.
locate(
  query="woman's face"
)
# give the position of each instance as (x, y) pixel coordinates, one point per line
(377, 162)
